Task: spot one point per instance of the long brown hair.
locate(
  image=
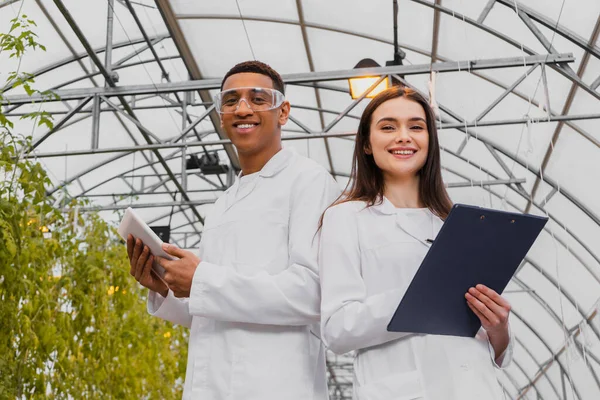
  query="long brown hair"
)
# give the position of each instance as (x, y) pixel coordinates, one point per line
(366, 179)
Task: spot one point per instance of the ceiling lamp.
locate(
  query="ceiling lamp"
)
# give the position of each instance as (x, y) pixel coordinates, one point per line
(358, 86)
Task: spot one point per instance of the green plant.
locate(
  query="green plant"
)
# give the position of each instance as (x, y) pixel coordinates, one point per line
(73, 322)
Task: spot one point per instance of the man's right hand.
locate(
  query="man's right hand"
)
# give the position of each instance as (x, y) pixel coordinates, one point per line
(140, 263)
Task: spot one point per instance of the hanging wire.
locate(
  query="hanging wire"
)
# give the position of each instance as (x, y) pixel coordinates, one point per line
(472, 106)
(567, 335)
(143, 64)
(162, 46)
(245, 29)
(529, 151)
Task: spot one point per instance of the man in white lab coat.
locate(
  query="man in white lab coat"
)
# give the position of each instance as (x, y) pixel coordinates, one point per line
(252, 298)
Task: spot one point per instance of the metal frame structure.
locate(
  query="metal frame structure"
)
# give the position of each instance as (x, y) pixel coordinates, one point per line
(122, 101)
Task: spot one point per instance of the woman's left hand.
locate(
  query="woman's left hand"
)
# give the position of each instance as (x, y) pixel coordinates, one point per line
(493, 311)
(491, 308)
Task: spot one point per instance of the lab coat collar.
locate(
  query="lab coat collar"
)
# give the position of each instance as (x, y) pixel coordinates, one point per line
(406, 223)
(384, 207)
(275, 165)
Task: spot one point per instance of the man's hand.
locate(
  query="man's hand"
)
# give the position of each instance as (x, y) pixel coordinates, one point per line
(493, 311)
(179, 273)
(140, 263)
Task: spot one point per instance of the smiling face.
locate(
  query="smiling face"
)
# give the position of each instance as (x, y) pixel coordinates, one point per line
(253, 132)
(399, 139)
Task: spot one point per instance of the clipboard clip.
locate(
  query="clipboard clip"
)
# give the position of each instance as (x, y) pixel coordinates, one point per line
(430, 241)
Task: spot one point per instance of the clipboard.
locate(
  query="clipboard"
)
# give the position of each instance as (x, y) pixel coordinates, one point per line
(475, 245)
(133, 224)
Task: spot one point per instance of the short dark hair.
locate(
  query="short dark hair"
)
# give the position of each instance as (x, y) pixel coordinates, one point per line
(256, 67)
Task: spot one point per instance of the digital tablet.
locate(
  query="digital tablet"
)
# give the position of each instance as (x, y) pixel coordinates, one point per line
(134, 225)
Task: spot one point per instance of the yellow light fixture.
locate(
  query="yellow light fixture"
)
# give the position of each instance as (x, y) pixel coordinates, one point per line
(358, 86)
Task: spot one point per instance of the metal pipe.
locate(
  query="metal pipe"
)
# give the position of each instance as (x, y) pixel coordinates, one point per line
(206, 84)
(311, 136)
(95, 123)
(141, 205)
(109, 36)
(65, 12)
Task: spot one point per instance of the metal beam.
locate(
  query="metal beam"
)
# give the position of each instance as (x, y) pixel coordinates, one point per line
(153, 42)
(109, 80)
(520, 368)
(141, 205)
(515, 92)
(80, 56)
(486, 10)
(165, 74)
(566, 108)
(114, 68)
(206, 84)
(444, 125)
(4, 3)
(147, 39)
(63, 38)
(554, 388)
(591, 270)
(595, 84)
(327, 28)
(536, 32)
(436, 33)
(353, 104)
(470, 21)
(361, 35)
(149, 193)
(554, 26)
(565, 72)
(156, 147)
(311, 65)
(522, 163)
(547, 346)
(315, 135)
(493, 182)
(96, 122)
(507, 170)
(146, 107)
(505, 93)
(59, 124)
(164, 6)
(555, 358)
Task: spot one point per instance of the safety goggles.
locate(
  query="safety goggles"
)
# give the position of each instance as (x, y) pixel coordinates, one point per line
(256, 98)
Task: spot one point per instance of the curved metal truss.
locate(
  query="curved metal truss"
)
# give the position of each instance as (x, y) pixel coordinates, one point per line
(162, 173)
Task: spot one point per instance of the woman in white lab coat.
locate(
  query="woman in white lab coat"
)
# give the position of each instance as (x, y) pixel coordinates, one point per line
(373, 240)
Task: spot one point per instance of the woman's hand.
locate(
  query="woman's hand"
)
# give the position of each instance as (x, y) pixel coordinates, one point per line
(493, 311)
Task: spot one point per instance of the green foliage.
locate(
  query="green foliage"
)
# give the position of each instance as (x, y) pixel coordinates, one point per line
(20, 37)
(16, 42)
(73, 322)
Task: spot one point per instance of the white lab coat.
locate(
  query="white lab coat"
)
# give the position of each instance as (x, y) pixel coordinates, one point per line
(255, 298)
(367, 258)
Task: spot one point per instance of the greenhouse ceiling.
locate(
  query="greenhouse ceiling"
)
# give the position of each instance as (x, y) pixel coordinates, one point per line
(516, 84)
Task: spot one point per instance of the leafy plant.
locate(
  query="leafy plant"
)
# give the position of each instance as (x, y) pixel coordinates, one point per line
(73, 322)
